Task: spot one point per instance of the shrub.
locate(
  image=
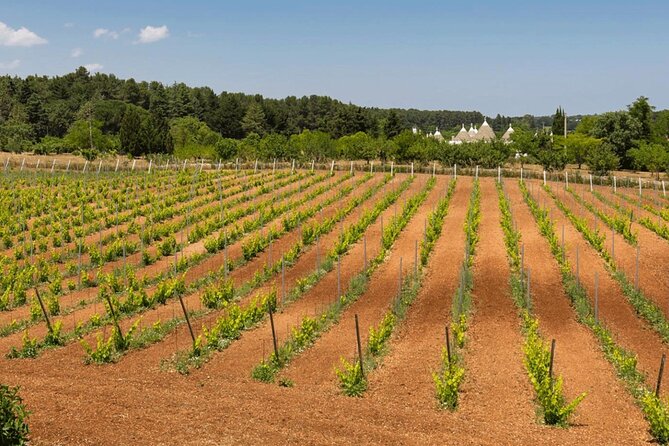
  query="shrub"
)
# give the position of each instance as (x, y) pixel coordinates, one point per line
(658, 417)
(216, 296)
(351, 380)
(447, 382)
(13, 414)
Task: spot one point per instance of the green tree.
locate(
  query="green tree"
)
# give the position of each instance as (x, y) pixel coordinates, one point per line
(650, 156)
(312, 145)
(82, 133)
(248, 147)
(558, 122)
(404, 140)
(523, 144)
(586, 125)
(602, 159)
(16, 133)
(193, 138)
(392, 126)
(226, 148)
(358, 146)
(661, 126)
(621, 130)
(254, 119)
(578, 146)
(273, 146)
(157, 135)
(551, 156)
(131, 135)
(642, 111)
(37, 115)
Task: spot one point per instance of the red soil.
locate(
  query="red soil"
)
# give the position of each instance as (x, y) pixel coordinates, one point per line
(315, 367)
(616, 313)
(133, 402)
(608, 414)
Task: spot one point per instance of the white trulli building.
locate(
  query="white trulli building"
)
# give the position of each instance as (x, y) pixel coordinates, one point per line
(506, 137)
(484, 133)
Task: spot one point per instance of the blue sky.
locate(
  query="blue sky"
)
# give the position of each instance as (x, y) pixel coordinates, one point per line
(509, 57)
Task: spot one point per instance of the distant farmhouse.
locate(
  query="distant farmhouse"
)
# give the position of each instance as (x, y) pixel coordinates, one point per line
(484, 133)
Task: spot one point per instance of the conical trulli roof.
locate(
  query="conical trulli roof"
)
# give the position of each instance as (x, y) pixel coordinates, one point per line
(507, 135)
(438, 136)
(462, 135)
(471, 131)
(485, 133)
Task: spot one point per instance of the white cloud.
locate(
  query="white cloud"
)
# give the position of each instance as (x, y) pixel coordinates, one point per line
(152, 34)
(18, 37)
(93, 67)
(13, 65)
(68, 25)
(76, 52)
(106, 33)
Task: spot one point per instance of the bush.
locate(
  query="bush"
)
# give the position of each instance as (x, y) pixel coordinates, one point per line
(216, 296)
(602, 159)
(658, 417)
(13, 414)
(448, 382)
(351, 380)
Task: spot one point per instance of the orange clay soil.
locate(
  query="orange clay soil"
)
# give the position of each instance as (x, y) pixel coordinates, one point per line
(406, 373)
(153, 355)
(172, 308)
(653, 253)
(238, 359)
(133, 402)
(315, 367)
(162, 264)
(608, 414)
(630, 331)
(496, 386)
(93, 238)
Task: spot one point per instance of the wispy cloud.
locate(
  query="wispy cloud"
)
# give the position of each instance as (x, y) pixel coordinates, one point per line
(151, 34)
(76, 52)
(105, 33)
(13, 65)
(68, 25)
(93, 67)
(19, 37)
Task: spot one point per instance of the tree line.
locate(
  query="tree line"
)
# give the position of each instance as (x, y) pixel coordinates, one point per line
(635, 138)
(93, 114)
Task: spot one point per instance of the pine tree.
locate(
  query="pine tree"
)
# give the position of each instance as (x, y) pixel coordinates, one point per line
(254, 119)
(131, 134)
(558, 122)
(393, 126)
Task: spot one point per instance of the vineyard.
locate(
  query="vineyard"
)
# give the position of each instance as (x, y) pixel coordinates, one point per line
(242, 304)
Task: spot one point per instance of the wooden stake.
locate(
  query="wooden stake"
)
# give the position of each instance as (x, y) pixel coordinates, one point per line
(46, 315)
(190, 327)
(113, 314)
(271, 321)
(338, 277)
(550, 364)
(415, 260)
(357, 337)
(596, 297)
(399, 284)
(448, 345)
(636, 273)
(659, 375)
(578, 275)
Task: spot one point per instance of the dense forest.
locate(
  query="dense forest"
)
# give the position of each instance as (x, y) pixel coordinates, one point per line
(97, 114)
